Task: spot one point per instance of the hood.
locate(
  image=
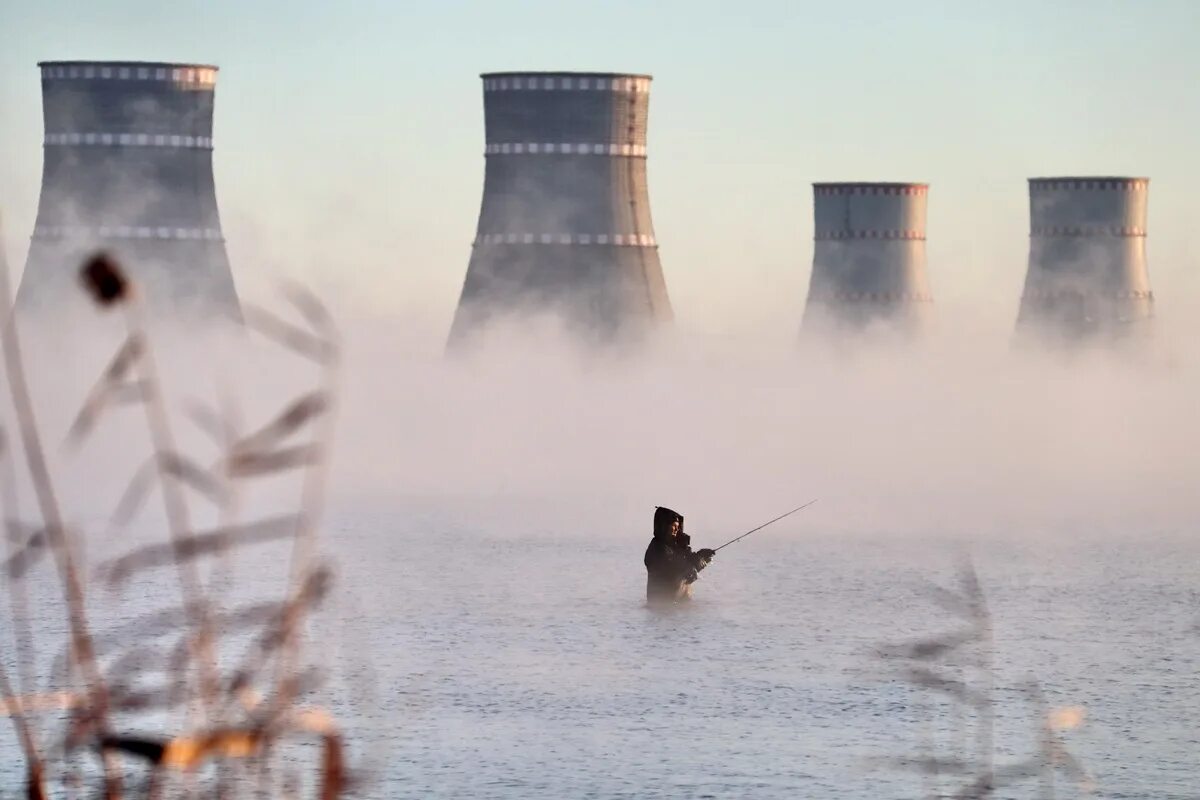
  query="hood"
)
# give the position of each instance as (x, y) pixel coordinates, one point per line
(663, 517)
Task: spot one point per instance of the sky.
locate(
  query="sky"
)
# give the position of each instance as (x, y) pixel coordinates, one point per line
(349, 135)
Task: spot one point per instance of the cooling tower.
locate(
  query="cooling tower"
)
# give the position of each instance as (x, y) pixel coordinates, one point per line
(1087, 274)
(565, 220)
(868, 257)
(127, 168)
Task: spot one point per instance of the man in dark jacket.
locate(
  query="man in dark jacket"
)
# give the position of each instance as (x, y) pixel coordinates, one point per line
(671, 566)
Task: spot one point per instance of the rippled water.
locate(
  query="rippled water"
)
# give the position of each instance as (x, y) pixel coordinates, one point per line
(478, 660)
(527, 665)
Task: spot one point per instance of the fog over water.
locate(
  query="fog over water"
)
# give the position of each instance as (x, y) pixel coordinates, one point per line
(488, 635)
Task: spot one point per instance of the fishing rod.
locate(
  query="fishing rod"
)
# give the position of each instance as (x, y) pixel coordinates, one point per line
(765, 524)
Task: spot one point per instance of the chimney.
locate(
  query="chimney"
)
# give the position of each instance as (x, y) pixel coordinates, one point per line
(565, 220)
(868, 257)
(1087, 276)
(127, 168)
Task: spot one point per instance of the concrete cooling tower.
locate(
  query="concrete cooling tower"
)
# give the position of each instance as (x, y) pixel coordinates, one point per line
(565, 222)
(128, 169)
(1087, 274)
(868, 257)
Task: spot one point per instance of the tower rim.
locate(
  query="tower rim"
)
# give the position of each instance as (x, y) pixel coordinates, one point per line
(102, 63)
(566, 72)
(869, 184)
(1082, 178)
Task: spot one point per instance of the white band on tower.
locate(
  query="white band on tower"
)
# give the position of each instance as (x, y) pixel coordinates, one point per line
(125, 232)
(93, 139)
(564, 148)
(618, 239)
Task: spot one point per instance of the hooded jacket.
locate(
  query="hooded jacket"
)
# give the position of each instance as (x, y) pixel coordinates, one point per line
(671, 566)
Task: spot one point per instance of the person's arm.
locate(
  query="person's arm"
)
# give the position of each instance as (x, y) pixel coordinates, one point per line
(701, 559)
(680, 563)
(691, 563)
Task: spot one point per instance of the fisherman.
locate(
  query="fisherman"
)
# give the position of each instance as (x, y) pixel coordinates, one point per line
(671, 566)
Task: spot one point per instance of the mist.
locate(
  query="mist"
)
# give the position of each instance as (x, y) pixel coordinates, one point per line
(958, 434)
(487, 513)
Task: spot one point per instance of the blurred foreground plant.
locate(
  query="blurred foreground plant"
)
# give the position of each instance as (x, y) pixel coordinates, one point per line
(958, 668)
(237, 716)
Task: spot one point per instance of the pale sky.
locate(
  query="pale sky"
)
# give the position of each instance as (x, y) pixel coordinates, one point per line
(349, 135)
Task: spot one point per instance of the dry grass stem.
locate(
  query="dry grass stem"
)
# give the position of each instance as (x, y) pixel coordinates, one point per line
(113, 386)
(323, 339)
(294, 338)
(291, 419)
(192, 546)
(959, 666)
(83, 657)
(166, 660)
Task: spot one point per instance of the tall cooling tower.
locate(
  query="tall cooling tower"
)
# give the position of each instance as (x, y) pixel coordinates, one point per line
(868, 257)
(127, 168)
(1087, 272)
(565, 221)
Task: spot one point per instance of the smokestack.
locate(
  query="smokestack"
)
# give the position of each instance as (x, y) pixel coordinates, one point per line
(868, 257)
(565, 221)
(127, 168)
(1087, 274)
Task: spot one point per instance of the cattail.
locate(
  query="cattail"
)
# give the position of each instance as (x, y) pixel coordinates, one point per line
(103, 277)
